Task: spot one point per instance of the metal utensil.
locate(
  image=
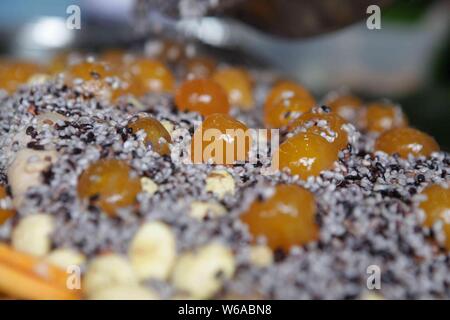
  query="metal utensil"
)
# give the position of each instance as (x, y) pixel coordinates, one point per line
(281, 18)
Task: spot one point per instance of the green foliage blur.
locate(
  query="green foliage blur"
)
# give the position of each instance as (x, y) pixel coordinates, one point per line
(429, 108)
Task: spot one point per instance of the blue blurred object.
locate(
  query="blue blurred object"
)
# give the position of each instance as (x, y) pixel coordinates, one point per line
(15, 13)
(36, 29)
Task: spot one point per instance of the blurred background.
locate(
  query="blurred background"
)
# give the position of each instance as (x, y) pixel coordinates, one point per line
(407, 60)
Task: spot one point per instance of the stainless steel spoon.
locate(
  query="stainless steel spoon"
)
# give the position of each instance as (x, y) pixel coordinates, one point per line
(281, 18)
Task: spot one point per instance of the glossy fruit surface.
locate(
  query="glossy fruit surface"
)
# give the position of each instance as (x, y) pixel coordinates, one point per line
(16, 73)
(287, 218)
(171, 51)
(90, 71)
(95, 78)
(204, 96)
(380, 117)
(128, 87)
(345, 105)
(200, 67)
(222, 139)
(153, 75)
(238, 85)
(156, 135)
(437, 208)
(114, 58)
(286, 101)
(109, 184)
(305, 154)
(58, 63)
(404, 141)
(329, 126)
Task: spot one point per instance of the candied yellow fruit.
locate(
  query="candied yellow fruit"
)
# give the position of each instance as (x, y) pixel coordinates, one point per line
(221, 138)
(305, 154)
(114, 58)
(286, 219)
(345, 105)
(128, 87)
(170, 51)
(404, 141)
(5, 213)
(156, 135)
(109, 184)
(153, 75)
(286, 101)
(204, 96)
(437, 208)
(94, 76)
(90, 71)
(327, 125)
(238, 85)
(380, 117)
(200, 67)
(15, 73)
(58, 63)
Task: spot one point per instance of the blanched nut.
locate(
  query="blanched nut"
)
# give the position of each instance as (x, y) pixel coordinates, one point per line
(124, 292)
(152, 251)
(199, 209)
(108, 271)
(65, 257)
(148, 185)
(261, 256)
(168, 126)
(371, 296)
(201, 274)
(25, 171)
(220, 182)
(38, 78)
(32, 234)
(49, 118)
(181, 296)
